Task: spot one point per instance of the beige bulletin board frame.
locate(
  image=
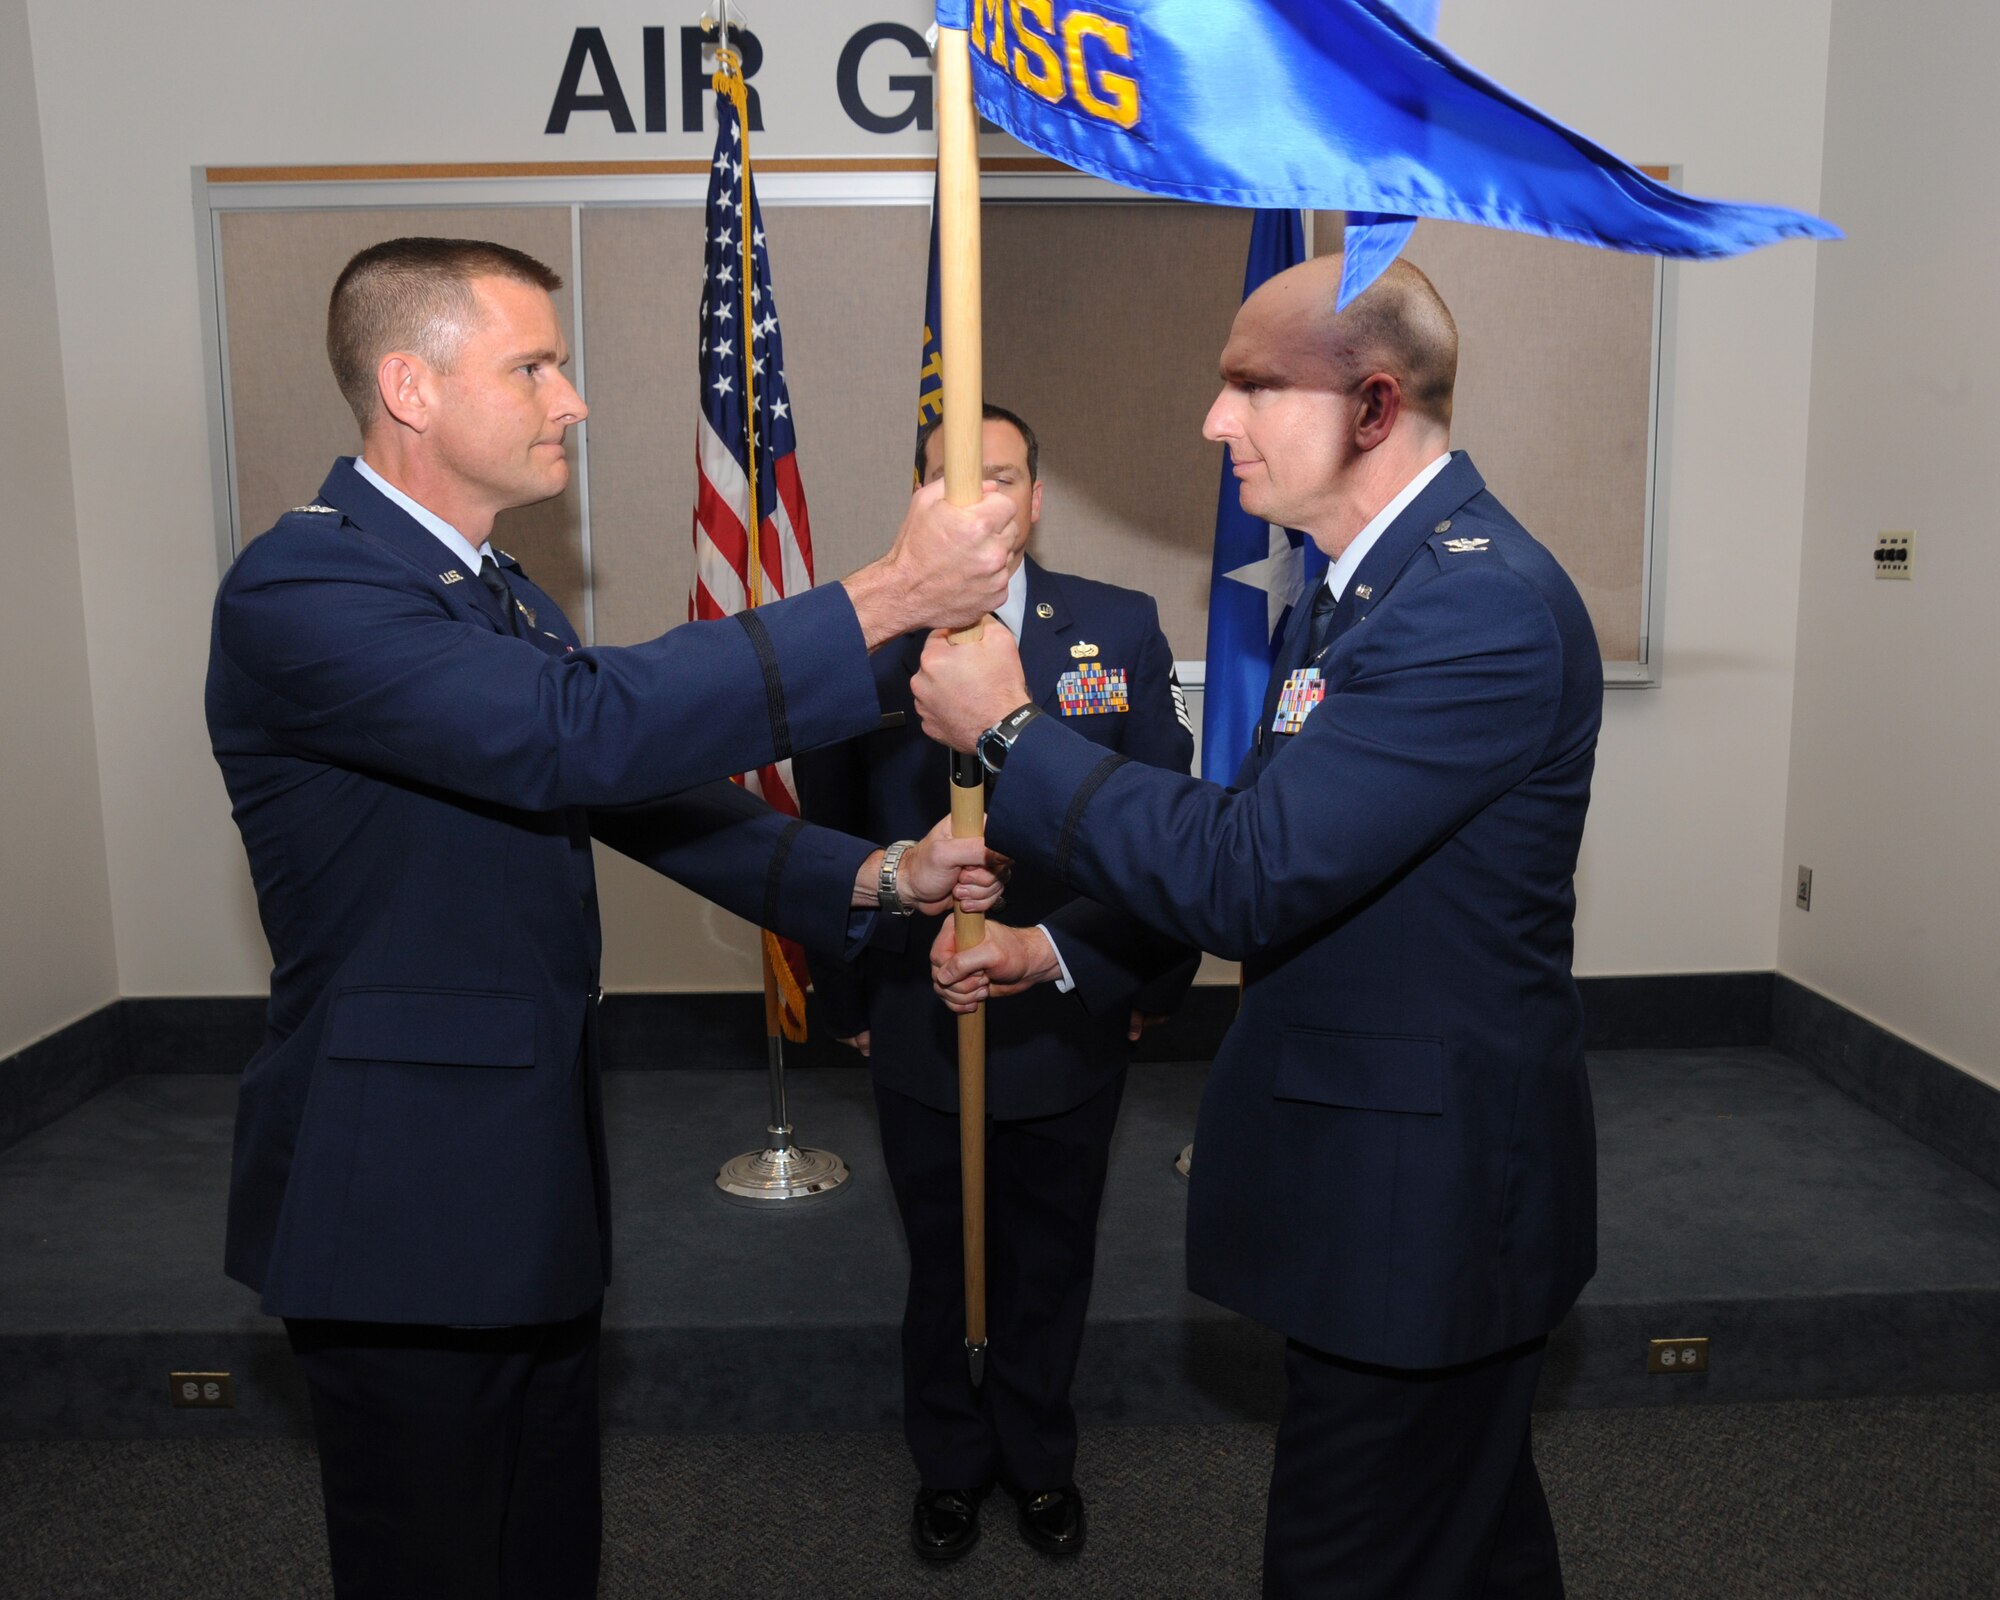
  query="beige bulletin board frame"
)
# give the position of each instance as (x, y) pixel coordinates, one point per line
(560, 536)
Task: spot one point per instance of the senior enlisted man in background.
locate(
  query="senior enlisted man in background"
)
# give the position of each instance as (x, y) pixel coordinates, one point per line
(1395, 1154)
(419, 752)
(1055, 1062)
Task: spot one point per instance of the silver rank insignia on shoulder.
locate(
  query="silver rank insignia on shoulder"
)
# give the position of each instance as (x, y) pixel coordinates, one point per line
(1460, 547)
(453, 576)
(1303, 690)
(318, 510)
(1080, 651)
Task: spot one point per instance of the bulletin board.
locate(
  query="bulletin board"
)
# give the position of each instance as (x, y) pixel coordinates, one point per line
(1104, 314)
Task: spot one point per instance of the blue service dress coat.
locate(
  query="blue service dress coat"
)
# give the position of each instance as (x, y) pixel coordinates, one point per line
(1395, 1153)
(417, 776)
(1046, 1052)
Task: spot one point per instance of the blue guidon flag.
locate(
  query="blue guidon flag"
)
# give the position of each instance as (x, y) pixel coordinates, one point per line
(1336, 105)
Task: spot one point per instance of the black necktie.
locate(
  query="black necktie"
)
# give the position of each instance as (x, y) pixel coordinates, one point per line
(1324, 601)
(496, 581)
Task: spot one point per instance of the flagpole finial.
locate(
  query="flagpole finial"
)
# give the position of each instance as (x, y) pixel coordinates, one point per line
(715, 18)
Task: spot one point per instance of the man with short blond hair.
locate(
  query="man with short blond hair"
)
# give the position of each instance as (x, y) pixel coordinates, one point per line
(419, 751)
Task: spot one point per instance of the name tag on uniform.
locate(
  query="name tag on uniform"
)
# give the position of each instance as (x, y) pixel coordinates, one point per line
(1092, 690)
(1302, 691)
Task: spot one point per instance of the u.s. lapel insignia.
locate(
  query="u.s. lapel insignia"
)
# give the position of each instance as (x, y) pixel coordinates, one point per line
(1045, 611)
(1081, 651)
(1303, 690)
(1363, 592)
(1092, 690)
(1460, 547)
(451, 577)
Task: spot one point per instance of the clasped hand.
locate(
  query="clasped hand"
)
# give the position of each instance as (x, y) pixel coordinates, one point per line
(940, 873)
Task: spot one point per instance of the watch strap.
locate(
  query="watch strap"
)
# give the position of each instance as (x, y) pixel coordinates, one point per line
(886, 899)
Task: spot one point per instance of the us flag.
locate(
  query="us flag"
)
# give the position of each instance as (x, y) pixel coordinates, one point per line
(742, 371)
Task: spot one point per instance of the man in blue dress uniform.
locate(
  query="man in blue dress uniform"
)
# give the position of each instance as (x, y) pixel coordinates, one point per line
(1396, 1161)
(1096, 658)
(419, 751)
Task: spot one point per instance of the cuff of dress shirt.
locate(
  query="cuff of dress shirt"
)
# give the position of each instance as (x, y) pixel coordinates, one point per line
(1065, 983)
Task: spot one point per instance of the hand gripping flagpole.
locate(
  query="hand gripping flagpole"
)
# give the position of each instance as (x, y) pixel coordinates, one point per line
(964, 389)
(781, 1171)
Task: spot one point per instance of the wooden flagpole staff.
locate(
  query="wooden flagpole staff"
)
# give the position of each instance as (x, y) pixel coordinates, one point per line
(964, 391)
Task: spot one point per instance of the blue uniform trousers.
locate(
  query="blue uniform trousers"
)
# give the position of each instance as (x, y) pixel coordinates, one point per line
(457, 1463)
(1044, 1183)
(1409, 1485)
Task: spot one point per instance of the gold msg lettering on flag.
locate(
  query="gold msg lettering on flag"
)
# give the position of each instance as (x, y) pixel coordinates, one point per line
(1061, 59)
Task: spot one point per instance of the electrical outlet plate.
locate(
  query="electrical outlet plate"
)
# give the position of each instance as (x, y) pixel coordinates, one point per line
(1689, 1354)
(1805, 889)
(206, 1391)
(1892, 554)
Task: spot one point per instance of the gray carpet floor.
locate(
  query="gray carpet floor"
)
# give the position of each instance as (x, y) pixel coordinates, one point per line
(1880, 1499)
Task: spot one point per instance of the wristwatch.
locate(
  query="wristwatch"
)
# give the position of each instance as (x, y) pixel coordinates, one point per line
(997, 740)
(886, 898)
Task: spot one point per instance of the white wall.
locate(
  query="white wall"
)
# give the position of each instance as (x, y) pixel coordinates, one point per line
(1896, 742)
(56, 956)
(1681, 865)
(1680, 861)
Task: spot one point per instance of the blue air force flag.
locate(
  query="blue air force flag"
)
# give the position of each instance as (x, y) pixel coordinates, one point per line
(1339, 105)
(1260, 568)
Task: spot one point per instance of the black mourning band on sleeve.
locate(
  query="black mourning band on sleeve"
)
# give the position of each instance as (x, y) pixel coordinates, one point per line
(774, 686)
(1084, 791)
(780, 852)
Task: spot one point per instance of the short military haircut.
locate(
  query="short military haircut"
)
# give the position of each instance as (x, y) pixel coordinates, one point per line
(414, 295)
(990, 413)
(1400, 325)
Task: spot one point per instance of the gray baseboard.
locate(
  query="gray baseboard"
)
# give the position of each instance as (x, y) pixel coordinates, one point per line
(1951, 1111)
(53, 1076)
(1931, 1100)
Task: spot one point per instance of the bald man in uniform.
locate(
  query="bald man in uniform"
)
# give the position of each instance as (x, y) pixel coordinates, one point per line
(1397, 1155)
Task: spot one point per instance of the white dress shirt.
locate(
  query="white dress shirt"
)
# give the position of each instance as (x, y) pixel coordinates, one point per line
(448, 536)
(1339, 574)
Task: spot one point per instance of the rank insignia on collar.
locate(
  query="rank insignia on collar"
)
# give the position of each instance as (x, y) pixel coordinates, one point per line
(1083, 652)
(453, 576)
(1363, 592)
(1459, 547)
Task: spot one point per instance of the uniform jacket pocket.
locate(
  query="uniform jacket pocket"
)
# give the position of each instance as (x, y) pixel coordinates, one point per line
(444, 1027)
(1361, 1071)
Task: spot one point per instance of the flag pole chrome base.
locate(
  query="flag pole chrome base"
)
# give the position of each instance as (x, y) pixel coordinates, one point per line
(782, 1173)
(1184, 1162)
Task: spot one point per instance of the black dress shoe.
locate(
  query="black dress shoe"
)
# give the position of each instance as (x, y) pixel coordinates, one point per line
(1053, 1520)
(945, 1523)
